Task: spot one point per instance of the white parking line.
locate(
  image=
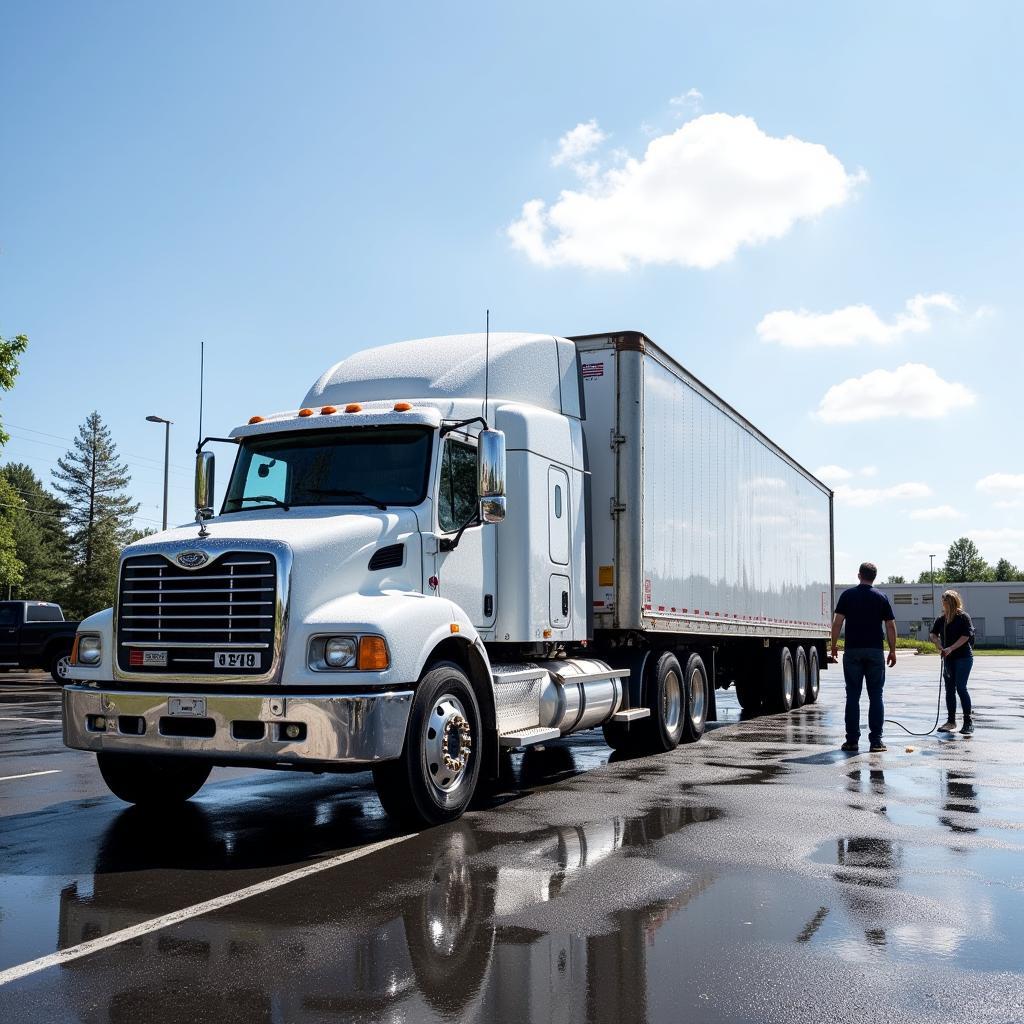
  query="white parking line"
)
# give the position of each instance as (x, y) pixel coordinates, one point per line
(25, 718)
(62, 956)
(31, 775)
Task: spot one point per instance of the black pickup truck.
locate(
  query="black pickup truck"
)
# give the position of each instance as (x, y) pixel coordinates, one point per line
(34, 634)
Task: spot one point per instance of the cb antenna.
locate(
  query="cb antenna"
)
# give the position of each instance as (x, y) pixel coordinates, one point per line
(487, 361)
(202, 368)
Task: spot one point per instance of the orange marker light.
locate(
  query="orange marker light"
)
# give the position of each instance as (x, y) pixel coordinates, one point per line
(74, 651)
(328, 410)
(305, 412)
(454, 627)
(255, 419)
(403, 406)
(353, 407)
(547, 634)
(373, 654)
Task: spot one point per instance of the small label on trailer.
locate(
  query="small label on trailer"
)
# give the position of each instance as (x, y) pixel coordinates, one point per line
(591, 370)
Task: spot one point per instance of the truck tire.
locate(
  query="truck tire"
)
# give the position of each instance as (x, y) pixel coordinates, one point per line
(151, 780)
(813, 675)
(666, 697)
(749, 697)
(60, 662)
(783, 682)
(800, 682)
(435, 776)
(697, 699)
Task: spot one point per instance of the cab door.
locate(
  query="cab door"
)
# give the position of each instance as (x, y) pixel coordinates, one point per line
(559, 548)
(467, 574)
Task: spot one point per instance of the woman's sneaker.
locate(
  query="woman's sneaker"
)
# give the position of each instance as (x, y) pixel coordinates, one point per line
(950, 726)
(968, 727)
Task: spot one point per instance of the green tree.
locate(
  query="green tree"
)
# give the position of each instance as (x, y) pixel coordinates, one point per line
(11, 350)
(40, 540)
(99, 514)
(1006, 572)
(964, 563)
(928, 577)
(896, 579)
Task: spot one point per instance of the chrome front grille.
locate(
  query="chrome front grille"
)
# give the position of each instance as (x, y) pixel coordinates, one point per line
(230, 604)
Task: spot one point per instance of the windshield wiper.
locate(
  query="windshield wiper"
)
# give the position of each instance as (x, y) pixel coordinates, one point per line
(333, 491)
(261, 497)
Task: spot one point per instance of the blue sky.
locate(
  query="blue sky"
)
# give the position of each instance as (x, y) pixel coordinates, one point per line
(294, 182)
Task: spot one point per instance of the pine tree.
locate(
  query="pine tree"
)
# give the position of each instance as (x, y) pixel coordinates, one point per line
(12, 569)
(99, 514)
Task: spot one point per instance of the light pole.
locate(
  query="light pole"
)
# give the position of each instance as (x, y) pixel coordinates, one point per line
(167, 454)
(931, 576)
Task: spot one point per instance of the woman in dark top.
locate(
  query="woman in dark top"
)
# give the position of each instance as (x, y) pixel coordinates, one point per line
(953, 634)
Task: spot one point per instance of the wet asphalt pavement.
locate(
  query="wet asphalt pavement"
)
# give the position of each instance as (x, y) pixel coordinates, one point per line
(759, 875)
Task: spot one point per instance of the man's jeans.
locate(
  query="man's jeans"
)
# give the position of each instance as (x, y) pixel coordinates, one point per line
(956, 671)
(860, 665)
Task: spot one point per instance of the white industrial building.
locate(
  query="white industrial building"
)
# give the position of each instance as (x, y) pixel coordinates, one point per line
(997, 609)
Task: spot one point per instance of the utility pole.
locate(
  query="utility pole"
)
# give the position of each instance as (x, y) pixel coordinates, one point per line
(167, 454)
(931, 576)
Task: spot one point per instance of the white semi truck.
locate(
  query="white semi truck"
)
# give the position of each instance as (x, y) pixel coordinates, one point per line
(458, 545)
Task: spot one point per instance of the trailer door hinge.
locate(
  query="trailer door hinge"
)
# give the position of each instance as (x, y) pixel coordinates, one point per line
(616, 439)
(616, 508)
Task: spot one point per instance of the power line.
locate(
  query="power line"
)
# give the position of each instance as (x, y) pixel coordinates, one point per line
(158, 467)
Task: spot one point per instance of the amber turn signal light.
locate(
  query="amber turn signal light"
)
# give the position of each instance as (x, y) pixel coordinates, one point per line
(305, 412)
(328, 410)
(74, 651)
(353, 407)
(403, 406)
(373, 654)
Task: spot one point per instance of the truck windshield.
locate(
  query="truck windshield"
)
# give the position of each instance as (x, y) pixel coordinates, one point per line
(356, 466)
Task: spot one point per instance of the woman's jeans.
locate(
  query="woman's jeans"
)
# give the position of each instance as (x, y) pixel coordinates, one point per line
(955, 672)
(864, 665)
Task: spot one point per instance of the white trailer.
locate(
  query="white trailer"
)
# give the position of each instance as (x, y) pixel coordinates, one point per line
(454, 546)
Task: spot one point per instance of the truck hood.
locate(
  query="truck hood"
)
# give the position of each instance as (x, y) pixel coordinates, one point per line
(330, 549)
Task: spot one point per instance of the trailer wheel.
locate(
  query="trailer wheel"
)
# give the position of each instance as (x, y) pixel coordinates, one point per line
(813, 675)
(696, 699)
(151, 780)
(436, 774)
(749, 697)
(800, 680)
(784, 684)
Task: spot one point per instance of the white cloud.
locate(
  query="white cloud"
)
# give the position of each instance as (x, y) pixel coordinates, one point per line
(850, 325)
(690, 101)
(938, 512)
(1009, 484)
(697, 195)
(1004, 542)
(861, 497)
(578, 143)
(912, 390)
(869, 471)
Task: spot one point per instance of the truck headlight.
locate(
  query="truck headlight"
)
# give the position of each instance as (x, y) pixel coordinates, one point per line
(331, 652)
(90, 650)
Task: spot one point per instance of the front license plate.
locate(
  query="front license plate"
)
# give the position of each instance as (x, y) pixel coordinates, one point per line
(237, 659)
(186, 707)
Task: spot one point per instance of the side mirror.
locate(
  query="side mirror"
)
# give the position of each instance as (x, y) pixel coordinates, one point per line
(490, 475)
(204, 485)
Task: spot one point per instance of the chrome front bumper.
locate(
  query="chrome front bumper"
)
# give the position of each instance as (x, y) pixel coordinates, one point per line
(338, 728)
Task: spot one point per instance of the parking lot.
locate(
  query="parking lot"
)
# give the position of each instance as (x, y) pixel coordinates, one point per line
(759, 875)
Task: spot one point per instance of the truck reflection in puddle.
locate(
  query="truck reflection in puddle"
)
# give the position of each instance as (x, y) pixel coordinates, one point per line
(427, 939)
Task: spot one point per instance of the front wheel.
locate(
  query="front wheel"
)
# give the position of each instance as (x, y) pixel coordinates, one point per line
(436, 774)
(151, 780)
(59, 665)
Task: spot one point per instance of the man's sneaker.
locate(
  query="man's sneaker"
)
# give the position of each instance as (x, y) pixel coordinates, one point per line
(968, 727)
(878, 748)
(848, 746)
(950, 726)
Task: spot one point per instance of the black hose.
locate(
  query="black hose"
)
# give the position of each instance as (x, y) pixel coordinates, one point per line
(938, 709)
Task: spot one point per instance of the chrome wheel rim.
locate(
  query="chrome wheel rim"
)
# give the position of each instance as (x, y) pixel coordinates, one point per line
(449, 744)
(697, 698)
(801, 679)
(63, 664)
(813, 678)
(787, 682)
(672, 701)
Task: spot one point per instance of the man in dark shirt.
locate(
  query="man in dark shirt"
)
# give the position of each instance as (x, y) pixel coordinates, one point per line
(864, 610)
